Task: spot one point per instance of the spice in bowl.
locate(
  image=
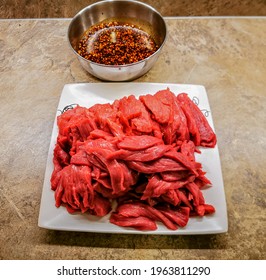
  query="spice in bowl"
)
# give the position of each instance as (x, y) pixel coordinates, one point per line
(116, 43)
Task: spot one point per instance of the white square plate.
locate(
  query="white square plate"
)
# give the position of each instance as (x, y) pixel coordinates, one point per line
(86, 94)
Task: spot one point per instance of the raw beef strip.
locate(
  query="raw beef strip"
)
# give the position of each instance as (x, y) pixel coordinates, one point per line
(209, 209)
(157, 187)
(136, 113)
(55, 177)
(134, 210)
(188, 149)
(80, 158)
(176, 175)
(183, 197)
(196, 194)
(62, 157)
(176, 128)
(102, 113)
(140, 209)
(102, 206)
(129, 107)
(75, 191)
(171, 197)
(100, 143)
(78, 120)
(115, 128)
(74, 188)
(139, 223)
(179, 216)
(160, 111)
(156, 166)
(105, 192)
(135, 143)
(60, 160)
(184, 160)
(148, 154)
(202, 180)
(199, 128)
(98, 133)
(115, 170)
(203, 209)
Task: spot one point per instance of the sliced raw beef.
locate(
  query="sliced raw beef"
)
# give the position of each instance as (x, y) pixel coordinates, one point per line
(199, 128)
(75, 190)
(138, 142)
(138, 152)
(136, 114)
(139, 223)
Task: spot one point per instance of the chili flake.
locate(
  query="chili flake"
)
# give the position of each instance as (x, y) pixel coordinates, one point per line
(114, 43)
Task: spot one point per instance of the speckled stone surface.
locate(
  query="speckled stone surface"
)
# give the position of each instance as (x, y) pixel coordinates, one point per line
(226, 55)
(68, 8)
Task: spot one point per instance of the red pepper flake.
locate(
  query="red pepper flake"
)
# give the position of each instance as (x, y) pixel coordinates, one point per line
(114, 43)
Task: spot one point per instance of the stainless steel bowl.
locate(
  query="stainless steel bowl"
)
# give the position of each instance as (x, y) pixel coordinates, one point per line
(134, 12)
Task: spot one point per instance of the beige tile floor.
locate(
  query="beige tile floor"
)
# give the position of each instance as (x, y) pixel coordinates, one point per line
(68, 8)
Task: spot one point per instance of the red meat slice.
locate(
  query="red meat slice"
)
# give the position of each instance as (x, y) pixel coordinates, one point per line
(142, 142)
(115, 128)
(64, 120)
(202, 180)
(75, 188)
(130, 176)
(183, 197)
(97, 173)
(62, 141)
(105, 192)
(78, 120)
(84, 128)
(179, 216)
(198, 126)
(84, 152)
(139, 223)
(148, 154)
(139, 209)
(114, 169)
(209, 209)
(137, 115)
(156, 166)
(102, 113)
(105, 181)
(80, 158)
(160, 111)
(203, 209)
(160, 217)
(176, 175)
(134, 210)
(171, 197)
(55, 177)
(184, 160)
(129, 107)
(91, 144)
(188, 149)
(98, 133)
(102, 206)
(62, 157)
(196, 194)
(76, 192)
(156, 130)
(176, 128)
(157, 187)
